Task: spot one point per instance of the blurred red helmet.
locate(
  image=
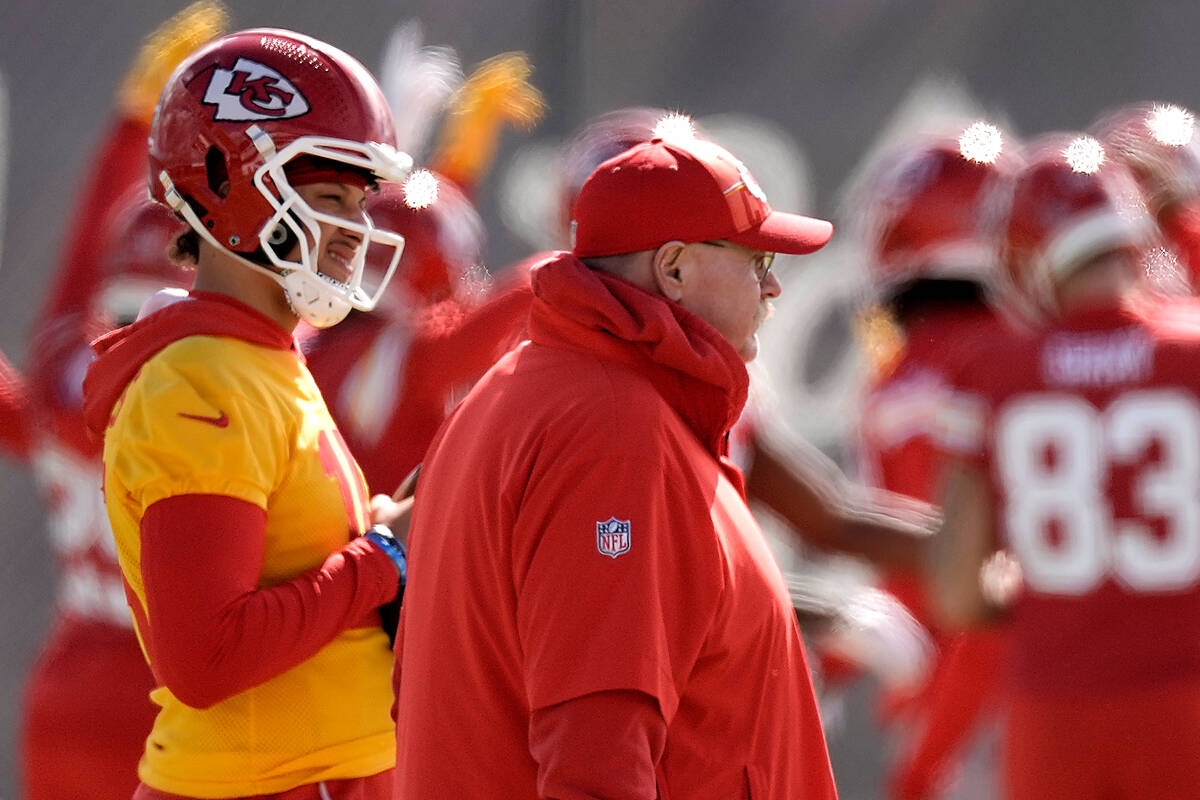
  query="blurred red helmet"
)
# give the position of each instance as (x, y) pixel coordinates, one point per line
(601, 138)
(931, 211)
(1069, 204)
(239, 110)
(134, 261)
(1157, 142)
(443, 241)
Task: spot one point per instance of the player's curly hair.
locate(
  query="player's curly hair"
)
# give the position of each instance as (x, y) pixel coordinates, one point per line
(186, 248)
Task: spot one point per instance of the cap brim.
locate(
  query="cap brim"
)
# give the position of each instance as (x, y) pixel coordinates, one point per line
(786, 233)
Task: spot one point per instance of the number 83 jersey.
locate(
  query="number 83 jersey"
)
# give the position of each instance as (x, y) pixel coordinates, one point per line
(1089, 433)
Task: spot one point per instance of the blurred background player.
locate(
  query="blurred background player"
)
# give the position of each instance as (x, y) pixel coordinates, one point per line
(1077, 449)
(239, 515)
(933, 266)
(86, 709)
(391, 376)
(87, 704)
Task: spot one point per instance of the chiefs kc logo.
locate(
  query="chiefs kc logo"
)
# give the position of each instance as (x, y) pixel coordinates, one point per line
(251, 91)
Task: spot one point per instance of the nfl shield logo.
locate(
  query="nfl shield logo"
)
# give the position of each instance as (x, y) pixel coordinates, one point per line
(612, 537)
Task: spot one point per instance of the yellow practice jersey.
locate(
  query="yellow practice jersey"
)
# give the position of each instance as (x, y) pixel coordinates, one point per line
(211, 415)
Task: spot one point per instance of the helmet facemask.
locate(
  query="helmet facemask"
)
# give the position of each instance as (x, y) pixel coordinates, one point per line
(318, 299)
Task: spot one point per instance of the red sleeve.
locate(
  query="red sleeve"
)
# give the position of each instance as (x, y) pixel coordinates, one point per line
(967, 682)
(600, 745)
(211, 630)
(14, 411)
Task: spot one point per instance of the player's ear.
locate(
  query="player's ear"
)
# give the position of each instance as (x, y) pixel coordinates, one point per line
(669, 269)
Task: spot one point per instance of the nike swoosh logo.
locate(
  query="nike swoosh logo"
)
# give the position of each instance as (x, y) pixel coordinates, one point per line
(221, 421)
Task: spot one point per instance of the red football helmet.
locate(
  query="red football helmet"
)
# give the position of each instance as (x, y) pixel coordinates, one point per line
(443, 242)
(134, 260)
(930, 212)
(231, 118)
(1159, 145)
(1069, 204)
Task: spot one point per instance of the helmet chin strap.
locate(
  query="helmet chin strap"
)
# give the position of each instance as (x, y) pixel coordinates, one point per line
(321, 309)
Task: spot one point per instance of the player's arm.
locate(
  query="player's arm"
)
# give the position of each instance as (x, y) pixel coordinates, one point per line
(497, 93)
(211, 630)
(813, 496)
(960, 549)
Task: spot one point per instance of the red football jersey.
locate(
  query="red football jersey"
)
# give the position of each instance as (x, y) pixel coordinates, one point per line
(899, 417)
(1090, 435)
(389, 382)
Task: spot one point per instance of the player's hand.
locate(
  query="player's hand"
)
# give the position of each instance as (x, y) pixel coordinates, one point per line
(396, 514)
(875, 631)
(162, 51)
(1000, 579)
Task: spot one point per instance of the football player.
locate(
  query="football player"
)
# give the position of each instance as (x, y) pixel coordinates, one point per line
(933, 271)
(1076, 449)
(242, 524)
(86, 709)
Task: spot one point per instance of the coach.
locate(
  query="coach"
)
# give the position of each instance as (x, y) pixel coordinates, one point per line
(591, 609)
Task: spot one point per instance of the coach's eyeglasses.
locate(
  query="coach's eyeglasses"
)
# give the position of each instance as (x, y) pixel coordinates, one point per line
(762, 260)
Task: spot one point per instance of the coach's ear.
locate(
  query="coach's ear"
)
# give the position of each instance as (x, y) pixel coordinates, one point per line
(669, 269)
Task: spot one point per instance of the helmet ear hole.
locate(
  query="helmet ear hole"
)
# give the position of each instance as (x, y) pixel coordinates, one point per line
(282, 240)
(218, 172)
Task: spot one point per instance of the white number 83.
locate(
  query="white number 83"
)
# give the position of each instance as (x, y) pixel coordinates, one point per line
(1070, 490)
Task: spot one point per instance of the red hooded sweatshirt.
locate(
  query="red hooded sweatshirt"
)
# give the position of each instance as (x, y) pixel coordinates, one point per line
(592, 610)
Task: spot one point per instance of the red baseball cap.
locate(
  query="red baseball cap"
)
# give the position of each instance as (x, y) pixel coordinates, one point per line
(693, 191)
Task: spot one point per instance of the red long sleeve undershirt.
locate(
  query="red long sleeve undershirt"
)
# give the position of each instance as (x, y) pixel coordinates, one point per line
(601, 745)
(211, 631)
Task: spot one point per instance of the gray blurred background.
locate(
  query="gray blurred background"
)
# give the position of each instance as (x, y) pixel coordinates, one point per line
(826, 76)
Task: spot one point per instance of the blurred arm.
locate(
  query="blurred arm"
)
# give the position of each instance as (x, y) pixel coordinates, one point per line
(498, 93)
(812, 495)
(961, 548)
